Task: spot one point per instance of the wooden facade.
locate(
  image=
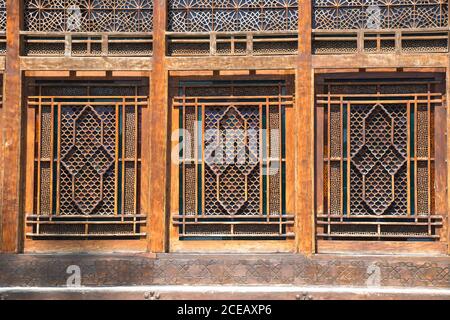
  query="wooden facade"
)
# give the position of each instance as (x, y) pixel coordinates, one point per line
(111, 108)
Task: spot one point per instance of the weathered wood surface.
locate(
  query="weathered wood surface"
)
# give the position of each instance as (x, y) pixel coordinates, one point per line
(12, 138)
(305, 136)
(238, 269)
(159, 148)
(157, 171)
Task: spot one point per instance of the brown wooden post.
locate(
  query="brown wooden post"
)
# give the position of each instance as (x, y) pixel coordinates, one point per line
(447, 99)
(305, 135)
(12, 185)
(159, 175)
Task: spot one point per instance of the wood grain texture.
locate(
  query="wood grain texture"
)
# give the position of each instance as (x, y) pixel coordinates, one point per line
(157, 169)
(12, 187)
(305, 136)
(159, 161)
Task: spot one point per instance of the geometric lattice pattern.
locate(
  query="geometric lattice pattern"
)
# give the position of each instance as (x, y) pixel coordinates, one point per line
(378, 170)
(235, 178)
(88, 163)
(87, 159)
(232, 15)
(232, 169)
(89, 15)
(379, 14)
(2, 15)
(379, 154)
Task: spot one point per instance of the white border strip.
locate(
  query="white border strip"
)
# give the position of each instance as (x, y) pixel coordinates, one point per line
(229, 289)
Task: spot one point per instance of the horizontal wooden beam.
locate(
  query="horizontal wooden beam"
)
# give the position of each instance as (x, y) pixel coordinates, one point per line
(86, 63)
(381, 247)
(380, 61)
(232, 63)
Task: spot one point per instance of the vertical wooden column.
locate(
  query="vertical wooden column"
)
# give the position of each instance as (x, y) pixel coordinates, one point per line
(447, 99)
(305, 134)
(159, 172)
(11, 143)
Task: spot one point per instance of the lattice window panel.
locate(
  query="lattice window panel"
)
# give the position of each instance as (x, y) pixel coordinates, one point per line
(89, 15)
(379, 162)
(2, 15)
(87, 167)
(232, 15)
(379, 14)
(232, 165)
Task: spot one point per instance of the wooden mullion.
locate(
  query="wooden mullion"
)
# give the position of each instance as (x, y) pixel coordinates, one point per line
(415, 158)
(429, 160)
(261, 160)
(30, 189)
(39, 158)
(268, 155)
(429, 151)
(408, 156)
(58, 168)
(123, 158)
(319, 161)
(184, 160)
(117, 160)
(329, 158)
(52, 155)
(202, 141)
(349, 158)
(341, 156)
(280, 160)
(136, 158)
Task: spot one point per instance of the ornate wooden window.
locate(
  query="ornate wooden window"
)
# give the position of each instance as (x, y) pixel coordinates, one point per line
(2, 15)
(380, 143)
(380, 26)
(88, 27)
(87, 160)
(2, 26)
(89, 15)
(232, 15)
(232, 27)
(361, 14)
(232, 168)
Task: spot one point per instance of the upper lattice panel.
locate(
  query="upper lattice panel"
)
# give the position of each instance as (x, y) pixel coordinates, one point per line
(2, 15)
(380, 14)
(233, 15)
(89, 15)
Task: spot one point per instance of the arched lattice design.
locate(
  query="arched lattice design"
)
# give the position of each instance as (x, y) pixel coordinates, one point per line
(379, 160)
(88, 161)
(232, 169)
(232, 15)
(380, 14)
(89, 15)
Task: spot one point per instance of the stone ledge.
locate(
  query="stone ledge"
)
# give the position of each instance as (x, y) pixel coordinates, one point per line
(241, 270)
(222, 293)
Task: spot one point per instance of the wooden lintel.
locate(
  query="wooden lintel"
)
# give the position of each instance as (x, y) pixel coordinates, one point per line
(86, 63)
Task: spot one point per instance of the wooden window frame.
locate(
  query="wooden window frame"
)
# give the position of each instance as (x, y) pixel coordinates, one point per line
(71, 245)
(387, 247)
(229, 246)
